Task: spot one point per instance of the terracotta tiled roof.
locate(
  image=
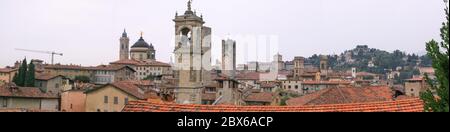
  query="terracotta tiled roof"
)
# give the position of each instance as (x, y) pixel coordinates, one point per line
(84, 86)
(268, 84)
(127, 87)
(344, 95)
(7, 70)
(25, 92)
(69, 67)
(46, 77)
(326, 82)
(409, 105)
(140, 82)
(259, 97)
(140, 63)
(110, 68)
(126, 62)
(248, 76)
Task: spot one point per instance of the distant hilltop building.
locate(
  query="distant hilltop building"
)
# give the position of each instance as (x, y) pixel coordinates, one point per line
(141, 56)
(141, 50)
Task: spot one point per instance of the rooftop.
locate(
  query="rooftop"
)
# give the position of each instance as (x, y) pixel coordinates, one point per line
(259, 97)
(130, 88)
(407, 105)
(140, 63)
(7, 70)
(344, 96)
(46, 77)
(25, 92)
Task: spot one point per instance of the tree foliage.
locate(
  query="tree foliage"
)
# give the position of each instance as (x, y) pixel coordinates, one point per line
(30, 75)
(83, 79)
(436, 98)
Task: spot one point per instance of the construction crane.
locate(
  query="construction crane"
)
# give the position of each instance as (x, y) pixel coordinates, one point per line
(44, 52)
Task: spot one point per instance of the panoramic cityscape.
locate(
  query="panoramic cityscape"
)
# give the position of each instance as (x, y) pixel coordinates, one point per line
(195, 67)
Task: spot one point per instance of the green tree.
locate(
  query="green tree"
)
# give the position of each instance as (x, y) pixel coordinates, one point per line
(436, 98)
(30, 75)
(20, 81)
(83, 79)
(15, 78)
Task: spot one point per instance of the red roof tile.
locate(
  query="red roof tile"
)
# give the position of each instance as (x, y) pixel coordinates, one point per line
(7, 70)
(25, 92)
(140, 63)
(326, 82)
(268, 84)
(248, 76)
(46, 77)
(259, 97)
(110, 68)
(126, 86)
(344, 95)
(409, 105)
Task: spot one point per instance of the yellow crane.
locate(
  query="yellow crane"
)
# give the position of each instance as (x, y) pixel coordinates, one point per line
(43, 52)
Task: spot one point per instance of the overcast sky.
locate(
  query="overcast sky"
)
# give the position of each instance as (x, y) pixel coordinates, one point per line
(88, 31)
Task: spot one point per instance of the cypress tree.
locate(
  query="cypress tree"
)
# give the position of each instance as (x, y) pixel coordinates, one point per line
(22, 74)
(30, 75)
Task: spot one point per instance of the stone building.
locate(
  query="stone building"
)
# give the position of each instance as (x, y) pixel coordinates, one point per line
(7, 75)
(141, 50)
(414, 86)
(192, 56)
(146, 68)
(299, 66)
(229, 57)
(30, 98)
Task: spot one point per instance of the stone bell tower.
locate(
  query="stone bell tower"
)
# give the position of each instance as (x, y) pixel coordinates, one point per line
(192, 56)
(124, 46)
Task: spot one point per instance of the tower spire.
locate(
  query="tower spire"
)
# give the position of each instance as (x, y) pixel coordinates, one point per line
(189, 5)
(124, 34)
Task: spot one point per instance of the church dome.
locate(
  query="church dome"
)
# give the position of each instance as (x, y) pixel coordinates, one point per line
(141, 44)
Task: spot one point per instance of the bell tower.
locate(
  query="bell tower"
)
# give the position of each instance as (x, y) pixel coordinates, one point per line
(192, 55)
(124, 46)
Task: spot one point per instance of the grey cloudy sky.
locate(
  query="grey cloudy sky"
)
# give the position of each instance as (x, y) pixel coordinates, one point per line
(87, 31)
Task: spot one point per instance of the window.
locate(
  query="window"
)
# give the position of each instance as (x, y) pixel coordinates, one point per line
(57, 85)
(5, 102)
(296, 86)
(105, 99)
(412, 90)
(116, 100)
(125, 100)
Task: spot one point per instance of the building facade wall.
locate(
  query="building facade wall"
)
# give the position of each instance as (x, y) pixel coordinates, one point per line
(29, 103)
(413, 89)
(54, 85)
(73, 101)
(7, 76)
(292, 85)
(95, 100)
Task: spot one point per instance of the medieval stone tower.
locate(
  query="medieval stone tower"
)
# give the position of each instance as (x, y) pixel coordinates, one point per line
(192, 56)
(324, 64)
(229, 57)
(299, 66)
(124, 46)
